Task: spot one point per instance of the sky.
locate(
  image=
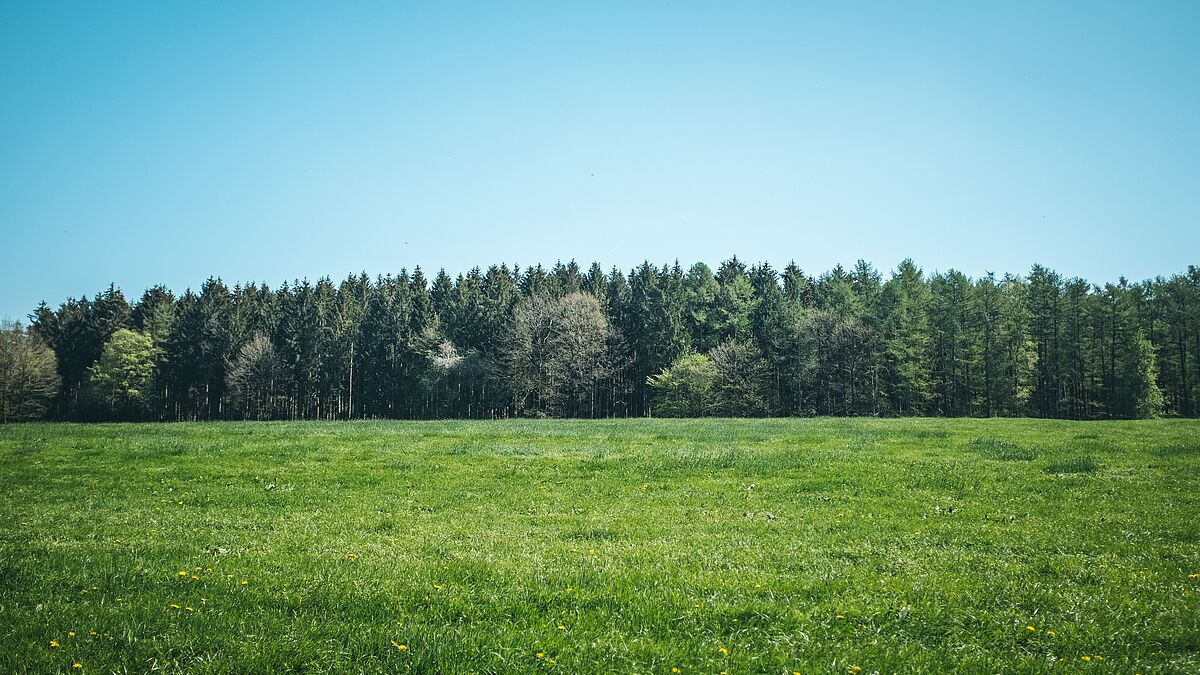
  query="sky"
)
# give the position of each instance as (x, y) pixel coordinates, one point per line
(167, 142)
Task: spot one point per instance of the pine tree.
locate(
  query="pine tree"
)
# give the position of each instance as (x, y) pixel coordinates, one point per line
(905, 305)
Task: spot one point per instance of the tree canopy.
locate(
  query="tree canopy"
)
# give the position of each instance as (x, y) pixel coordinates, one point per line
(742, 340)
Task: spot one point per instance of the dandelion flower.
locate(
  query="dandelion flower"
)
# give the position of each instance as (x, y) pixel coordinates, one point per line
(840, 616)
(399, 647)
(189, 609)
(77, 665)
(71, 634)
(1086, 658)
(244, 582)
(1194, 576)
(182, 573)
(120, 599)
(561, 627)
(540, 654)
(1051, 633)
(53, 644)
(1030, 628)
(92, 632)
(674, 670)
(174, 606)
(724, 651)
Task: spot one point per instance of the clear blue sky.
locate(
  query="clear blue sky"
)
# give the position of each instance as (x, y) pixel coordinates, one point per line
(169, 141)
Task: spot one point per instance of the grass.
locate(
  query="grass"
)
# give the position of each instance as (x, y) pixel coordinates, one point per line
(643, 546)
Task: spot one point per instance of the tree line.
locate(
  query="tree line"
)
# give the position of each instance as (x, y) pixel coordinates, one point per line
(567, 342)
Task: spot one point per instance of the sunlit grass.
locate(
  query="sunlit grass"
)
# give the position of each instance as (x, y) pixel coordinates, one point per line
(614, 546)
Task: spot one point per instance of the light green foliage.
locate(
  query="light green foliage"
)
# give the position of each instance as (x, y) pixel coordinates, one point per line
(28, 379)
(684, 389)
(122, 376)
(1147, 397)
(605, 546)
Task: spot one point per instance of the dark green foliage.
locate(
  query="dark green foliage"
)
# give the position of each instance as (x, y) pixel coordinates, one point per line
(1003, 450)
(847, 342)
(1080, 464)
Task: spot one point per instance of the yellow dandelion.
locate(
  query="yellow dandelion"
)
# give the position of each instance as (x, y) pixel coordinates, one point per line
(840, 616)
(71, 633)
(77, 665)
(854, 669)
(561, 627)
(244, 582)
(724, 651)
(399, 647)
(120, 599)
(540, 654)
(1086, 658)
(1051, 633)
(199, 567)
(1030, 628)
(182, 573)
(189, 609)
(53, 644)
(1194, 576)
(92, 632)
(195, 578)
(674, 670)
(174, 606)
(1098, 658)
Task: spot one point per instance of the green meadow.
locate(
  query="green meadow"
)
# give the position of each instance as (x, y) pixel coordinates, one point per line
(639, 546)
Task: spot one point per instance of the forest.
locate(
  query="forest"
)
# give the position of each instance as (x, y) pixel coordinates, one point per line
(742, 341)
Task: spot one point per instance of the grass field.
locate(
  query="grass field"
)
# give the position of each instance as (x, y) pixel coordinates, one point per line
(641, 546)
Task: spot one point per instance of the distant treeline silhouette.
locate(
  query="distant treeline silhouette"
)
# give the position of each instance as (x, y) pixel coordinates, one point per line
(505, 342)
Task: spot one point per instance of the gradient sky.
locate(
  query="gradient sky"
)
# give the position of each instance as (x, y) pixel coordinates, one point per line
(170, 141)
